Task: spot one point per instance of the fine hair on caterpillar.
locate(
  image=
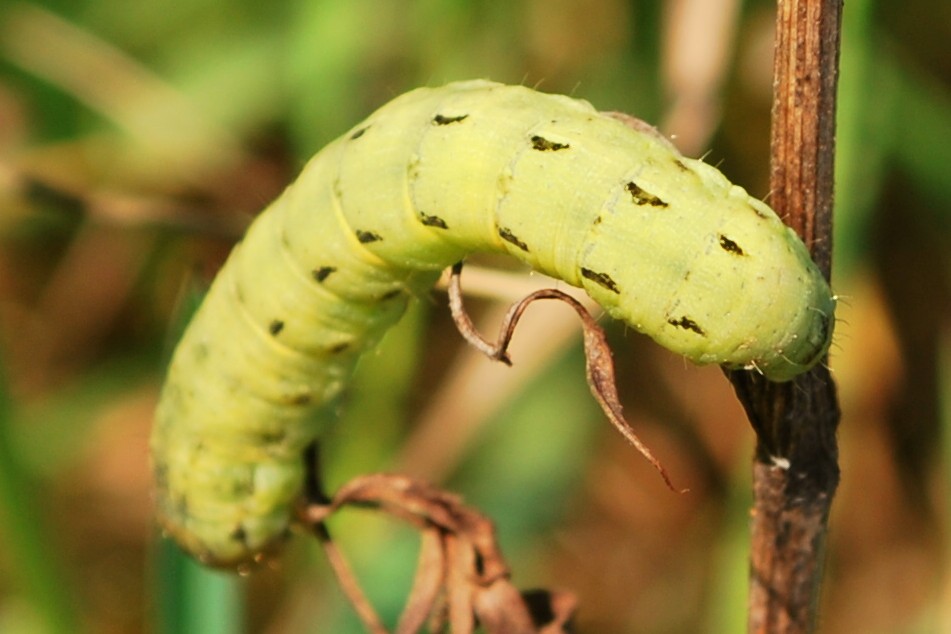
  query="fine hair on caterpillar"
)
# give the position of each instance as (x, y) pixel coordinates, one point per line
(662, 242)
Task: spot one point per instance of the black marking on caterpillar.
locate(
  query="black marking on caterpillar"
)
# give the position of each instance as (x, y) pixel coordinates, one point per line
(601, 279)
(542, 144)
(730, 246)
(366, 237)
(303, 398)
(432, 221)
(511, 238)
(642, 197)
(230, 389)
(271, 437)
(239, 534)
(759, 212)
(322, 273)
(444, 120)
(687, 324)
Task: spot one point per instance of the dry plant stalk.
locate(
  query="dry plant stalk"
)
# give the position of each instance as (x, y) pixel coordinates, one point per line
(795, 472)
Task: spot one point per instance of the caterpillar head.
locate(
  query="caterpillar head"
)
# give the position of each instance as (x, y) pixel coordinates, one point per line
(717, 277)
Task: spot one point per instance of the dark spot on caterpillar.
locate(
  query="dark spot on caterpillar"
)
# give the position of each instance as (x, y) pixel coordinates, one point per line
(181, 505)
(598, 221)
(272, 438)
(239, 535)
(730, 246)
(391, 294)
(687, 324)
(432, 221)
(758, 212)
(323, 272)
(201, 352)
(412, 169)
(365, 237)
(444, 120)
(302, 398)
(242, 486)
(275, 327)
(542, 144)
(681, 165)
(508, 236)
(601, 279)
(359, 133)
(340, 347)
(642, 197)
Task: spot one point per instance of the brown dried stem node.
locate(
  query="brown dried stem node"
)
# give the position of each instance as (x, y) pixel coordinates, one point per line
(462, 578)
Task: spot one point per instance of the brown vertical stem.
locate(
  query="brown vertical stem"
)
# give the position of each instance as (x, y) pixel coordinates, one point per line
(795, 470)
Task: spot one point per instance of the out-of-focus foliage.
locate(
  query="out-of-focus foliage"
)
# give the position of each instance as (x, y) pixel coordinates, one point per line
(157, 129)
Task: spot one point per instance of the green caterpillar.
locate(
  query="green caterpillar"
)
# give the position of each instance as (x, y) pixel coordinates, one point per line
(662, 242)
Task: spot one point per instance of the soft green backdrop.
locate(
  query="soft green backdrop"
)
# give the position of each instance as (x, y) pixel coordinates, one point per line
(175, 122)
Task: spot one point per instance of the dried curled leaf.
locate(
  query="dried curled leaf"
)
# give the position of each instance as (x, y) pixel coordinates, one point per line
(462, 579)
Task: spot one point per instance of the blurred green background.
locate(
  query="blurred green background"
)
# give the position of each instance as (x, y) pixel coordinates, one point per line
(174, 122)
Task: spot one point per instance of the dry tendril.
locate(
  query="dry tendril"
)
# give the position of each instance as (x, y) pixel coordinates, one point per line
(462, 580)
(598, 364)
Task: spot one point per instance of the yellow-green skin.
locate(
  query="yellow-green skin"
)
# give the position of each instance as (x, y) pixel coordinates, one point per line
(664, 243)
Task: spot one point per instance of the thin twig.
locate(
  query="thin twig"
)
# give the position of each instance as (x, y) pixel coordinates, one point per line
(115, 208)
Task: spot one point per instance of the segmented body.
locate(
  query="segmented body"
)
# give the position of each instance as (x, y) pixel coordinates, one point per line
(663, 242)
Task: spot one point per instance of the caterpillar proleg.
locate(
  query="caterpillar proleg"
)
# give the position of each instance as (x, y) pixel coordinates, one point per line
(665, 243)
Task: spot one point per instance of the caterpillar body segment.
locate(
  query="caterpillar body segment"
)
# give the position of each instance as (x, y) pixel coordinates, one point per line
(663, 242)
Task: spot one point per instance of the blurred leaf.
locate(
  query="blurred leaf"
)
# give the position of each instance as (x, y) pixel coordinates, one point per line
(214, 78)
(923, 146)
(35, 568)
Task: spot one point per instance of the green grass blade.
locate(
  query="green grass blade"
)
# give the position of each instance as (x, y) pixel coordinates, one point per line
(193, 598)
